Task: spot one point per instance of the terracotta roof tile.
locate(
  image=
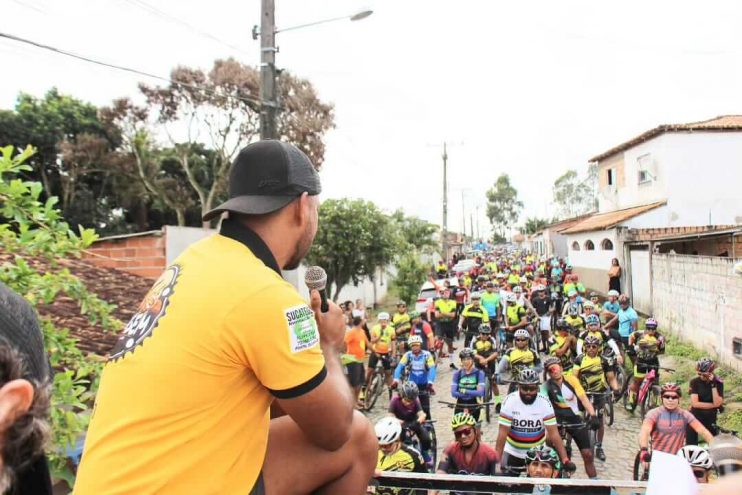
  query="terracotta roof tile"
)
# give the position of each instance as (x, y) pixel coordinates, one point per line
(717, 124)
(602, 221)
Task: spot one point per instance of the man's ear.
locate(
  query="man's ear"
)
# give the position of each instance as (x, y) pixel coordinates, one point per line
(301, 211)
(16, 397)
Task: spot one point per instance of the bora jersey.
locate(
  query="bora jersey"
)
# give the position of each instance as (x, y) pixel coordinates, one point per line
(183, 404)
(527, 423)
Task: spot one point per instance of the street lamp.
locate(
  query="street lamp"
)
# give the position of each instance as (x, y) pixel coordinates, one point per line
(268, 31)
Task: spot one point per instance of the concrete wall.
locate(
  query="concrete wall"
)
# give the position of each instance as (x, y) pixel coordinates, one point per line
(177, 239)
(592, 266)
(699, 299)
(641, 296)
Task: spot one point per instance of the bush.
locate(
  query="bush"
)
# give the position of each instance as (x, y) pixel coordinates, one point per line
(411, 273)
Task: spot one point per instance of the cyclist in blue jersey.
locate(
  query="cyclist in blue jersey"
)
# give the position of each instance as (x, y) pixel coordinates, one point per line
(421, 367)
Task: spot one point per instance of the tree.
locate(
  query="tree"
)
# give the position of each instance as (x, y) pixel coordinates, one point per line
(353, 240)
(416, 233)
(574, 196)
(411, 273)
(220, 109)
(503, 206)
(30, 228)
(535, 224)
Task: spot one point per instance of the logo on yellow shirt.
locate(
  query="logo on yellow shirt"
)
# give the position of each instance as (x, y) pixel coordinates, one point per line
(151, 309)
(303, 333)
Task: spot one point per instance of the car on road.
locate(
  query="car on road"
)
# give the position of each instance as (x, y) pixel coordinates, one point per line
(428, 292)
(464, 266)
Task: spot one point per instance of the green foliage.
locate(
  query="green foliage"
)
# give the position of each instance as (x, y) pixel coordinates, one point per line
(503, 206)
(575, 196)
(675, 347)
(31, 228)
(353, 240)
(417, 233)
(411, 273)
(535, 224)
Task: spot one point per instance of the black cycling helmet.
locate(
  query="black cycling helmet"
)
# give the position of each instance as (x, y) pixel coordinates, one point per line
(550, 361)
(562, 324)
(466, 353)
(485, 328)
(528, 376)
(705, 365)
(409, 390)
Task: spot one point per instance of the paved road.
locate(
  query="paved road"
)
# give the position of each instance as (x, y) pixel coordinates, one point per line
(620, 442)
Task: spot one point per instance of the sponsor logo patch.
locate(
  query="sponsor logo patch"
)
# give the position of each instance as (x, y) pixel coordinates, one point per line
(303, 332)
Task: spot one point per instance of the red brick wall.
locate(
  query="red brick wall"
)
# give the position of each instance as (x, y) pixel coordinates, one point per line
(142, 255)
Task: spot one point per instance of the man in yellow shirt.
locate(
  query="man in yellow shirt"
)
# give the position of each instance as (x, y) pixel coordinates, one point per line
(383, 348)
(184, 404)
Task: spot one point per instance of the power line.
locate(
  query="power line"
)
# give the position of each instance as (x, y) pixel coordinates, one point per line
(127, 69)
(164, 15)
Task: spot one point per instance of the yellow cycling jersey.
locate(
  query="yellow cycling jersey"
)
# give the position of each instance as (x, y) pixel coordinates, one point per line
(403, 460)
(385, 336)
(557, 343)
(575, 322)
(518, 358)
(485, 347)
(599, 334)
(445, 306)
(401, 323)
(648, 346)
(592, 372)
(515, 313)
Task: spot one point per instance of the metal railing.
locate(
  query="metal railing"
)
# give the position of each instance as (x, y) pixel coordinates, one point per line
(502, 484)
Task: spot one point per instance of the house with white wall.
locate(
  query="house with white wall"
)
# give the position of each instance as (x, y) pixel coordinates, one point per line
(676, 175)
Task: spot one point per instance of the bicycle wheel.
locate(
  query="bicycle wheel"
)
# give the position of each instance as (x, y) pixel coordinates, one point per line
(621, 379)
(487, 396)
(640, 474)
(608, 410)
(373, 391)
(652, 400)
(433, 446)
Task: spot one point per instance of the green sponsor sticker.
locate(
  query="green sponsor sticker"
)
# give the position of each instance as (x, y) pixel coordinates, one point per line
(303, 332)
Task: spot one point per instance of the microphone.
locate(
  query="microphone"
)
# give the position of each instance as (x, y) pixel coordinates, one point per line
(726, 452)
(316, 279)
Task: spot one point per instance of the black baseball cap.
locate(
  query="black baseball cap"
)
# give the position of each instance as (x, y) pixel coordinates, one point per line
(266, 176)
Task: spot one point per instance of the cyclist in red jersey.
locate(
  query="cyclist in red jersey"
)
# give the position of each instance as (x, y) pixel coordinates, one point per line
(667, 424)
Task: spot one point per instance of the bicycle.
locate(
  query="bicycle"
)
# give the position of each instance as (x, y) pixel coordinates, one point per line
(411, 439)
(375, 386)
(568, 440)
(469, 408)
(606, 411)
(649, 393)
(641, 469)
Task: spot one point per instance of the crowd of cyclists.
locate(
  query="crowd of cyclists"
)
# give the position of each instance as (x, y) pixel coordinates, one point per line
(558, 354)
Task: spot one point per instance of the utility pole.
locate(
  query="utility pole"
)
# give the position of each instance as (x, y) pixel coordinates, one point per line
(463, 214)
(444, 239)
(471, 225)
(476, 209)
(268, 100)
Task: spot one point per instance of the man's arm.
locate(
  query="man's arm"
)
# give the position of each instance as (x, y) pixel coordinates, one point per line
(325, 413)
(555, 440)
(502, 436)
(645, 432)
(701, 430)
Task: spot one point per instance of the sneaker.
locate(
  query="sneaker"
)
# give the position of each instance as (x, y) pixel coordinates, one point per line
(452, 366)
(599, 453)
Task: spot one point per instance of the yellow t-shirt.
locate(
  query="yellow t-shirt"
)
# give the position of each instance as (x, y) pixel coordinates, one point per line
(385, 336)
(183, 404)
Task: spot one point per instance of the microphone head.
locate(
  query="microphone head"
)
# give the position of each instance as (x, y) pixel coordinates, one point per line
(726, 452)
(315, 278)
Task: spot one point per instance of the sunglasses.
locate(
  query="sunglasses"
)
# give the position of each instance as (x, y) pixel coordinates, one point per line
(699, 473)
(521, 340)
(671, 397)
(591, 346)
(529, 388)
(463, 433)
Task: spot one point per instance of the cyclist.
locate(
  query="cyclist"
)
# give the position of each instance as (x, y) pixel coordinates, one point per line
(461, 294)
(406, 407)
(645, 346)
(706, 397)
(566, 396)
(699, 460)
(542, 306)
(608, 348)
(595, 299)
(521, 297)
(355, 353)
(666, 425)
(421, 369)
(573, 300)
(542, 462)
(467, 454)
(467, 384)
(394, 455)
(401, 321)
(518, 357)
(611, 306)
(445, 314)
(515, 316)
(563, 344)
(485, 354)
(574, 318)
(527, 420)
(382, 349)
(422, 328)
(590, 368)
(626, 319)
(491, 302)
(472, 317)
(441, 269)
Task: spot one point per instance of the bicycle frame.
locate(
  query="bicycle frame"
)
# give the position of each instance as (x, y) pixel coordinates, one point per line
(649, 379)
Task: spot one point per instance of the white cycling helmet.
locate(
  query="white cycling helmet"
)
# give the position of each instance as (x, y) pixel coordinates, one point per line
(540, 288)
(613, 292)
(384, 316)
(510, 297)
(388, 430)
(696, 456)
(518, 289)
(522, 334)
(415, 339)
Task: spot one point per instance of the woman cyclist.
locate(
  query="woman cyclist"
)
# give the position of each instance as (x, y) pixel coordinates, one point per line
(467, 385)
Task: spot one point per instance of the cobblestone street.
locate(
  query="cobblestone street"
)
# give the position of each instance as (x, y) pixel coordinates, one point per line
(620, 442)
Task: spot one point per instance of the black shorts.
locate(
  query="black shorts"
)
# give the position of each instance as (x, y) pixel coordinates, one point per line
(446, 329)
(355, 374)
(259, 487)
(490, 368)
(386, 361)
(580, 436)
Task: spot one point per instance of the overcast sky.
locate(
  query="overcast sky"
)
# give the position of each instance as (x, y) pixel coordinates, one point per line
(528, 88)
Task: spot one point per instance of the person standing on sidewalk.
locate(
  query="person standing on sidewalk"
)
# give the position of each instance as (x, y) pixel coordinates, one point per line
(221, 344)
(706, 398)
(445, 317)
